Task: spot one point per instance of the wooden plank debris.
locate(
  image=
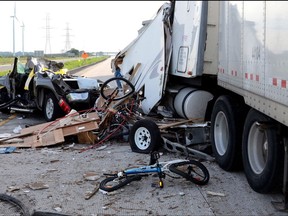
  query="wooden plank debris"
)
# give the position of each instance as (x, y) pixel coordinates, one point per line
(52, 133)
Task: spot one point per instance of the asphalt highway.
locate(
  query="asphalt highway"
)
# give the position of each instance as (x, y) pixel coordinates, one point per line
(227, 193)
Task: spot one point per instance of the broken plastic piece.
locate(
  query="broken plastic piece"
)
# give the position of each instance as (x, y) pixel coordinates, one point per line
(7, 150)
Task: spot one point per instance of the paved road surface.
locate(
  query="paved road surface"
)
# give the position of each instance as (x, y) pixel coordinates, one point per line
(101, 70)
(63, 169)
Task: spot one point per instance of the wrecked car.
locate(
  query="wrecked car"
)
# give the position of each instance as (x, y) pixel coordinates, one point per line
(45, 85)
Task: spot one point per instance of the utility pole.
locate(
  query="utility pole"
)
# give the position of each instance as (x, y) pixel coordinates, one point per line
(14, 17)
(23, 26)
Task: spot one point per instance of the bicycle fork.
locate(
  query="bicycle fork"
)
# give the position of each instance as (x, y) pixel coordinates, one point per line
(154, 156)
(161, 175)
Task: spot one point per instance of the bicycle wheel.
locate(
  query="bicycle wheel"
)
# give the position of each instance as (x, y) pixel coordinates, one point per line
(12, 206)
(192, 170)
(114, 183)
(116, 88)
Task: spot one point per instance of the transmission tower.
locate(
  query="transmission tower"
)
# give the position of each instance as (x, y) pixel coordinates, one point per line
(67, 43)
(47, 45)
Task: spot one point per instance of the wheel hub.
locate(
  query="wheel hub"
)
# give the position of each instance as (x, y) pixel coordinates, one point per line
(221, 133)
(142, 138)
(49, 108)
(257, 149)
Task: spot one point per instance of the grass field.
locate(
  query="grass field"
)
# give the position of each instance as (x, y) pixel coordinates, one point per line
(67, 64)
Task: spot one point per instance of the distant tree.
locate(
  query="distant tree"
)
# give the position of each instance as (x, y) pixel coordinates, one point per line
(75, 51)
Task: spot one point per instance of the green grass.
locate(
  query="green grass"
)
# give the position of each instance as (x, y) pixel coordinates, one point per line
(83, 62)
(3, 73)
(68, 64)
(9, 60)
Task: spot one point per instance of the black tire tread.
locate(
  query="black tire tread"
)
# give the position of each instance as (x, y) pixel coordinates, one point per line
(174, 168)
(58, 112)
(16, 202)
(124, 182)
(235, 113)
(272, 175)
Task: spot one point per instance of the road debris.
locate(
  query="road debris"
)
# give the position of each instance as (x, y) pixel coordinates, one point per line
(52, 133)
(91, 176)
(215, 193)
(7, 150)
(89, 194)
(38, 186)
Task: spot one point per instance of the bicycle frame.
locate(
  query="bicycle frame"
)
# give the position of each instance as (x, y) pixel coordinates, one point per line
(159, 167)
(190, 170)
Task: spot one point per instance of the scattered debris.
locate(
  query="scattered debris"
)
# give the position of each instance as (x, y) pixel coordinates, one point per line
(38, 186)
(91, 176)
(54, 161)
(13, 188)
(7, 150)
(47, 151)
(57, 208)
(52, 133)
(101, 148)
(17, 129)
(52, 170)
(215, 193)
(89, 194)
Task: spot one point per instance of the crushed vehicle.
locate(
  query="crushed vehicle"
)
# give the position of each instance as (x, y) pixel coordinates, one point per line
(46, 86)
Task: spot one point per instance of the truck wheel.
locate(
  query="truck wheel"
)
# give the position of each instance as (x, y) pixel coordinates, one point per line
(226, 131)
(144, 136)
(262, 152)
(51, 109)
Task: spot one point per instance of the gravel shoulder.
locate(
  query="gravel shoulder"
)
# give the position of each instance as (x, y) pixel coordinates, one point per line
(57, 179)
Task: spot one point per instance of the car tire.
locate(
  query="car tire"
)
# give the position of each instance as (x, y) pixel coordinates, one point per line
(51, 108)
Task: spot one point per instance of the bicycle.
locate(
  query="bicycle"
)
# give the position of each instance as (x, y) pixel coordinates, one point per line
(191, 170)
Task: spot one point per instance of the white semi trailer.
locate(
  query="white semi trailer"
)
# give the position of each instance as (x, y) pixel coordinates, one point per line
(225, 62)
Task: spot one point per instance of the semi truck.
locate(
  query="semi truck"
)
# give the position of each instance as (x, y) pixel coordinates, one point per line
(224, 62)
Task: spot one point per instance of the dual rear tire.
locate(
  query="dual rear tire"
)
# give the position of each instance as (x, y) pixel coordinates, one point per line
(248, 137)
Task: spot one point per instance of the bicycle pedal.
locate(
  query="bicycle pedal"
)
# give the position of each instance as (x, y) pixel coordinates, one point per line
(157, 184)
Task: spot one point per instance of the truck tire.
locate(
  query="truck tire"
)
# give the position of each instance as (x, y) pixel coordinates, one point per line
(144, 136)
(263, 153)
(51, 108)
(226, 133)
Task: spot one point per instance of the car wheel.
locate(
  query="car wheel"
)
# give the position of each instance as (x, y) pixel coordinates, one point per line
(51, 109)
